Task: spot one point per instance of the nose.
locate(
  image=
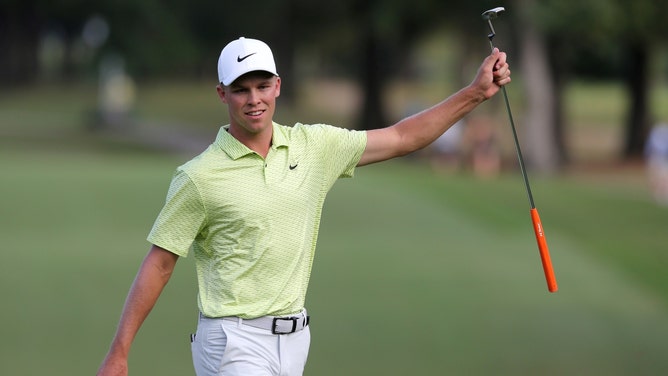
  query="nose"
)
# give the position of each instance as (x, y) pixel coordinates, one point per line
(253, 97)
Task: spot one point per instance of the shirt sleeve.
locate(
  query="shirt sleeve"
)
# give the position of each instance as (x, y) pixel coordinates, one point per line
(343, 149)
(182, 217)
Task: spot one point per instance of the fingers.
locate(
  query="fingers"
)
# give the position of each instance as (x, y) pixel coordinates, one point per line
(501, 69)
(492, 74)
(494, 59)
(500, 58)
(502, 76)
(503, 81)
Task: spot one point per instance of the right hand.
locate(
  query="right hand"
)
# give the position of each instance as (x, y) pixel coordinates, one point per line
(493, 73)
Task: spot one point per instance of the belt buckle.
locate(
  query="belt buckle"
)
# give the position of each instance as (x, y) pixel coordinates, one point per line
(274, 325)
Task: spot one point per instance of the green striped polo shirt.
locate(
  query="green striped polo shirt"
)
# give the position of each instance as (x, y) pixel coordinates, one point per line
(252, 223)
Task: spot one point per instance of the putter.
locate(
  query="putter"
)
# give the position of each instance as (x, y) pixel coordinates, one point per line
(535, 218)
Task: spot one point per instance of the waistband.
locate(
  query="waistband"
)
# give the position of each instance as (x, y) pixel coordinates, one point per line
(275, 324)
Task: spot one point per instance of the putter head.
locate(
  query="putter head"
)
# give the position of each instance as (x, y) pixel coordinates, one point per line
(492, 13)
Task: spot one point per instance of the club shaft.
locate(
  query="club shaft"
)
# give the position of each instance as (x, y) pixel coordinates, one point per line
(520, 159)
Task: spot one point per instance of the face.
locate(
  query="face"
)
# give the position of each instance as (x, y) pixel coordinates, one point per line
(251, 102)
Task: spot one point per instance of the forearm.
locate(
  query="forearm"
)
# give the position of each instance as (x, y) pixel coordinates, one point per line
(153, 275)
(418, 131)
(423, 128)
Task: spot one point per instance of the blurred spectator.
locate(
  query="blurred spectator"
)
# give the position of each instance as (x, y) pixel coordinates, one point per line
(656, 152)
(446, 151)
(117, 93)
(482, 146)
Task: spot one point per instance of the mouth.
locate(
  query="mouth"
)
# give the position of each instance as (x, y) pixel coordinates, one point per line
(255, 113)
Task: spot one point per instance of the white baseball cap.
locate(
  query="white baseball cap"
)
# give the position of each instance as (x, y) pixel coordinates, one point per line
(242, 56)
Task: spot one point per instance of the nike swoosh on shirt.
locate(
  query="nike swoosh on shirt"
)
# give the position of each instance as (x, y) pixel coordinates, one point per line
(292, 167)
(240, 59)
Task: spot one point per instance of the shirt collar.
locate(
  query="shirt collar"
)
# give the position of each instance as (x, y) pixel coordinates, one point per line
(235, 149)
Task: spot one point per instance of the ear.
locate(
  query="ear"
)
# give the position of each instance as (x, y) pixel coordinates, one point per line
(278, 86)
(221, 93)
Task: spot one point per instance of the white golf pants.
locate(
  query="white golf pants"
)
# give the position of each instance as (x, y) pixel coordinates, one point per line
(228, 347)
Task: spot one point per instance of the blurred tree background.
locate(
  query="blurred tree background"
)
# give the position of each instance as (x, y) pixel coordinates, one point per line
(372, 42)
(81, 189)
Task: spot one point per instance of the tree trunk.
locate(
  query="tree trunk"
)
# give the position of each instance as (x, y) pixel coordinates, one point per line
(540, 121)
(284, 51)
(637, 81)
(19, 40)
(372, 72)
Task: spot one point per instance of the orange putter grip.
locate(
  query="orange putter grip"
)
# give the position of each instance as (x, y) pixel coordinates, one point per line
(544, 252)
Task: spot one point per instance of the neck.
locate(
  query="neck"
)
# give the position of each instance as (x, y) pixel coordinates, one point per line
(258, 142)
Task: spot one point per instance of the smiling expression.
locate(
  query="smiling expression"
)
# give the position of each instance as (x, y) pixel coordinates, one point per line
(251, 101)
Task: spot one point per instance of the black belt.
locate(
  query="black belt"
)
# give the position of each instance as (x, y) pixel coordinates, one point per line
(276, 324)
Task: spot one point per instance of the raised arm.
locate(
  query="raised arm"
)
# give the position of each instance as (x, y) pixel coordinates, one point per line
(417, 131)
(153, 275)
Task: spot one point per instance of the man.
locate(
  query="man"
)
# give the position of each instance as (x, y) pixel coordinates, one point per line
(656, 153)
(248, 208)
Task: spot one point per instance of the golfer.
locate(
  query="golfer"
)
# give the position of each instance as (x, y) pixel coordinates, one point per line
(248, 210)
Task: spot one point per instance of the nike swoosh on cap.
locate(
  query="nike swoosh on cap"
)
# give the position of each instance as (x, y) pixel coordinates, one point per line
(240, 59)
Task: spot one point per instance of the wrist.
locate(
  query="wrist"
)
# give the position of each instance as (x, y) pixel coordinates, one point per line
(118, 350)
(475, 94)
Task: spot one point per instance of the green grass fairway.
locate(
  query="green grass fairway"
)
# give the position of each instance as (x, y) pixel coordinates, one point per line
(442, 276)
(415, 274)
